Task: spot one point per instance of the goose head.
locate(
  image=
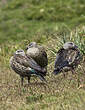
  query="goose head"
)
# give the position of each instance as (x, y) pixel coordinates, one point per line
(32, 44)
(20, 52)
(69, 45)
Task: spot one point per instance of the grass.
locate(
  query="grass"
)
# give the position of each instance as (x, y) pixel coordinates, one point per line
(58, 93)
(51, 24)
(21, 19)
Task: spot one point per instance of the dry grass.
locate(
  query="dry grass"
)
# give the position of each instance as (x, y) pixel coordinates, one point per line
(59, 92)
(22, 21)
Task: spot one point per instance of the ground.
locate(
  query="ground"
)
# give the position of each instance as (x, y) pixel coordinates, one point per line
(49, 23)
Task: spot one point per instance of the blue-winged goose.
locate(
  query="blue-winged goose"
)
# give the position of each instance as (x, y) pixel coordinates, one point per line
(26, 66)
(68, 57)
(38, 53)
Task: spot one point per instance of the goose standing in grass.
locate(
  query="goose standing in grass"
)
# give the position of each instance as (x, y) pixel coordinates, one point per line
(68, 57)
(26, 66)
(38, 53)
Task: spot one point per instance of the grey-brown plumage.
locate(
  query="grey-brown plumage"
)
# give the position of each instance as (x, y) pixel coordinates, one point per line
(26, 66)
(68, 58)
(38, 53)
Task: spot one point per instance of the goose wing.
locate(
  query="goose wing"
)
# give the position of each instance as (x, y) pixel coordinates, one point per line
(68, 57)
(28, 62)
(60, 58)
(73, 57)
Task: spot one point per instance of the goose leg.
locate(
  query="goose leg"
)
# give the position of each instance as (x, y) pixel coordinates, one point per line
(22, 81)
(28, 79)
(63, 73)
(73, 71)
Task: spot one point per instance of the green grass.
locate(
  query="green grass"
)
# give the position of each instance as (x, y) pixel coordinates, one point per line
(50, 23)
(59, 92)
(22, 19)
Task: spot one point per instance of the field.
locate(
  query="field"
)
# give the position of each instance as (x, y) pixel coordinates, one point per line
(50, 23)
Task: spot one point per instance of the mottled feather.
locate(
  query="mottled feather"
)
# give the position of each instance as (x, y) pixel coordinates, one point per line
(68, 57)
(26, 66)
(38, 53)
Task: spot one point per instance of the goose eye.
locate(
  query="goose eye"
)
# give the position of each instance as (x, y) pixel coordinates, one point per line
(30, 44)
(19, 51)
(71, 43)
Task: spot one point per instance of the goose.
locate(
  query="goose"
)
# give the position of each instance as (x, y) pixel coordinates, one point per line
(38, 53)
(67, 59)
(26, 66)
